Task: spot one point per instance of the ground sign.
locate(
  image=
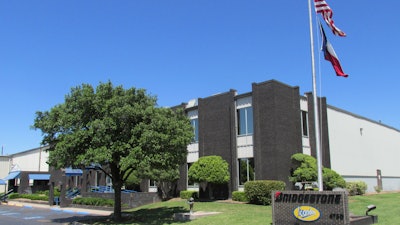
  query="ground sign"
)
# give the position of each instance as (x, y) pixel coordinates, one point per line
(310, 207)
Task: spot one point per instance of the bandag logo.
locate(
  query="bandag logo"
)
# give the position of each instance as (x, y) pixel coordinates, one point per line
(306, 213)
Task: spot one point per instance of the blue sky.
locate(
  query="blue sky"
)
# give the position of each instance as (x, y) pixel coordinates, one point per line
(179, 50)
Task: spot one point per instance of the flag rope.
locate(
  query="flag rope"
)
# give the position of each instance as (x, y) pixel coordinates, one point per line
(319, 77)
(315, 103)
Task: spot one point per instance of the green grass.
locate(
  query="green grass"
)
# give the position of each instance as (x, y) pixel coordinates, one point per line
(234, 213)
(387, 207)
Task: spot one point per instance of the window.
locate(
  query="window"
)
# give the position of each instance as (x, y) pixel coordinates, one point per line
(304, 123)
(97, 177)
(246, 170)
(195, 125)
(108, 181)
(245, 121)
(152, 183)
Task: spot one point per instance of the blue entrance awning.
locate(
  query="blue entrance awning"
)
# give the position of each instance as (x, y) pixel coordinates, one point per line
(12, 175)
(38, 176)
(2, 182)
(73, 172)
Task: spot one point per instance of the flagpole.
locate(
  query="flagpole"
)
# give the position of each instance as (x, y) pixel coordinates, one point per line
(316, 115)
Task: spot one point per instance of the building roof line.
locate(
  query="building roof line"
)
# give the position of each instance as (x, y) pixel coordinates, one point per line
(362, 117)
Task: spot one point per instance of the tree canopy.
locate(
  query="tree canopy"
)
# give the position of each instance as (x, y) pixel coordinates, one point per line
(209, 172)
(211, 169)
(121, 129)
(305, 168)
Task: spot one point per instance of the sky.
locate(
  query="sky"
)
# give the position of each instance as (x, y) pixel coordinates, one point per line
(180, 50)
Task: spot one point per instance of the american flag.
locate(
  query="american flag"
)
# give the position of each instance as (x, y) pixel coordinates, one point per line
(322, 7)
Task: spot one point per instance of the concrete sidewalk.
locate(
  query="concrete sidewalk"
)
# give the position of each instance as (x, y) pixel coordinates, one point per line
(77, 210)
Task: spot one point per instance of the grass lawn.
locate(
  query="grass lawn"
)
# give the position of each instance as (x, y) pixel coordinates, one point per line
(387, 207)
(387, 210)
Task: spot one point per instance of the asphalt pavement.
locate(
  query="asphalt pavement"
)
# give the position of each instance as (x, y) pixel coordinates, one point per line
(82, 211)
(17, 212)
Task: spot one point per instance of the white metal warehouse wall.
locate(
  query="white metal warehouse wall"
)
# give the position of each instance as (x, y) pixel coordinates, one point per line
(359, 147)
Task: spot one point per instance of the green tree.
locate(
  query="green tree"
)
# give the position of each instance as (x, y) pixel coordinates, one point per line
(121, 129)
(209, 170)
(166, 181)
(306, 170)
(132, 182)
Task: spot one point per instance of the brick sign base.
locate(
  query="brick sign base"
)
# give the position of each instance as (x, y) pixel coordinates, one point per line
(310, 207)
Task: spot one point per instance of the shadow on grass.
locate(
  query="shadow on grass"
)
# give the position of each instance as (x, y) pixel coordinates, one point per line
(154, 216)
(157, 216)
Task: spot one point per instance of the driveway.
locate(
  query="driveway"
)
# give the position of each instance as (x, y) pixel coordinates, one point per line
(39, 214)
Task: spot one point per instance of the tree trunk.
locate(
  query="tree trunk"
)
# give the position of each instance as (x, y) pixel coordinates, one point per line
(117, 201)
(203, 185)
(211, 191)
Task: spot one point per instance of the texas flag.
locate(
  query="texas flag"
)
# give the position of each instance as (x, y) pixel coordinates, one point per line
(330, 55)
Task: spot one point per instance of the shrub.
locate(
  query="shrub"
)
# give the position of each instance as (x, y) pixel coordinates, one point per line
(43, 192)
(93, 201)
(332, 179)
(356, 187)
(305, 168)
(239, 196)
(377, 189)
(13, 196)
(29, 196)
(189, 194)
(47, 192)
(211, 169)
(259, 192)
(57, 192)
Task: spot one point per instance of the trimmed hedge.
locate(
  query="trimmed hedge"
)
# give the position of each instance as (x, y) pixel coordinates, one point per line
(259, 192)
(29, 196)
(189, 194)
(239, 196)
(356, 187)
(47, 192)
(93, 201)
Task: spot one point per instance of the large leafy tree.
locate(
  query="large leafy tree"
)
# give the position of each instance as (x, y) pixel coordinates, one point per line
(121, 129)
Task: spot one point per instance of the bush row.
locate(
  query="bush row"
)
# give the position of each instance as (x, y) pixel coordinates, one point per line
(93, 201)
(259, 191)
(47, 192)
(239, 196)
(189, 194)
(29, 196)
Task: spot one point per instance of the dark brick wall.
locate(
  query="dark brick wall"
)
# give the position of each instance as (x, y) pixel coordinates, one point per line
(323, 118)
(25, 188)
(217, 134)
(132, 199)
(277, 129)
(182, 182)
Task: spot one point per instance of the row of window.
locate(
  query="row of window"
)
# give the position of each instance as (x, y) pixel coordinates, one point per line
(244, 118)
(245, 123)
(246, 169)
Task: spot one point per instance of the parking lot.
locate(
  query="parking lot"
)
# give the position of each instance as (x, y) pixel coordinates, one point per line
(24, 214)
